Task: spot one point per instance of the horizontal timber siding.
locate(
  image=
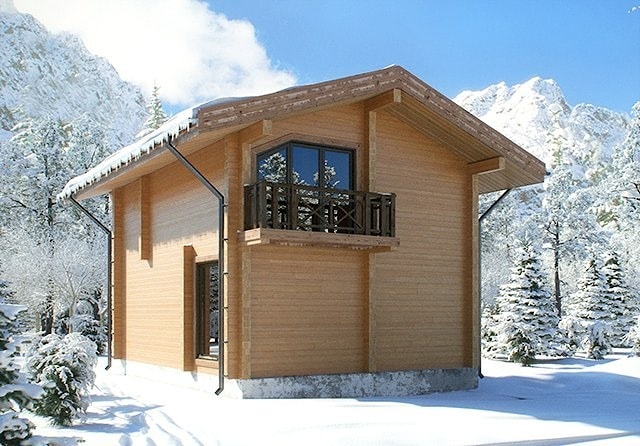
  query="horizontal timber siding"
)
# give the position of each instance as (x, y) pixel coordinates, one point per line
(308, 311)
(181, 212)
(421, 290)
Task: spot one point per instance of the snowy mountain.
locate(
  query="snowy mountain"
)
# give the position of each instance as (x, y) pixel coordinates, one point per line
(536, 115)
(42, 74)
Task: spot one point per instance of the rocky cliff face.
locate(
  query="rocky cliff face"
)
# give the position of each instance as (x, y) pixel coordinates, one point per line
(536, 115)
(42, 74)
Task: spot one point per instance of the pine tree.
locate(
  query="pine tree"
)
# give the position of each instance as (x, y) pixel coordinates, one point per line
(64, 367)
(157, 116)
(571, 218)
(528, 322)
(489, 331)
(623, 309)
(592, 308)
(15, 393)
(632, 338)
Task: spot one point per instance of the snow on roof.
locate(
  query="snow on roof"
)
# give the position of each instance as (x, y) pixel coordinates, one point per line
(123, 157)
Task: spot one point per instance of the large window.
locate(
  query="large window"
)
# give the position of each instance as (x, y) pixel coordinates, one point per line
(306, 187)
(207, 310)
(308, 165)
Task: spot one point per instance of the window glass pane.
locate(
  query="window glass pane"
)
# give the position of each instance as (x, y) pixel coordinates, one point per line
(304, 166)
(337, 169)
(273, 167)
(207, 310)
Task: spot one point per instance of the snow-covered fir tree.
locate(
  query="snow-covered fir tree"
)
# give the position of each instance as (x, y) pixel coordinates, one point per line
(591, 306)
(15, 393)
(571, 224)
(6, 294)
(623, 308)
(64, 367)
(527, 320)
(632, 338)
(86, 320)
(571, 332)
(157, 116)
(489, 330)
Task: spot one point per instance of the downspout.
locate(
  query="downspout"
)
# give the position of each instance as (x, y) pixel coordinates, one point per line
(109, 260)
(480, 220)
(221, 239)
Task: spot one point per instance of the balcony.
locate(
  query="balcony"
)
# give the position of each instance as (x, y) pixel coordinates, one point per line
(307, 215)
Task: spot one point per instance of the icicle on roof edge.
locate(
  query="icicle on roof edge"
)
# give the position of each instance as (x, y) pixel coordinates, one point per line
(126, 155)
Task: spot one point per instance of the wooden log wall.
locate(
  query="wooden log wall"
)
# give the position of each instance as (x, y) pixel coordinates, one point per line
(422, 289)
(295, 310)
(178, 212)
(407, 309)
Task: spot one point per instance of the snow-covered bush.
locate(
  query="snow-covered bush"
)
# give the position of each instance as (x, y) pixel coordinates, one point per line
(596, 340)
(61, 323)
(14, 429)
(489, 331)
(571, 331)
(86, 320)
(15, 393)
(63, 366)
(91, 328)
(518, 343)
(633, 338)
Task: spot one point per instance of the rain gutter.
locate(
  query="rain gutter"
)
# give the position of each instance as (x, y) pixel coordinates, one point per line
(109, 260)
(221, 206)
(480, 220)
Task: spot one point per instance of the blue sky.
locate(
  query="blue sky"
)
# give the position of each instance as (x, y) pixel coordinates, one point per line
(196, 50)
(591, 48)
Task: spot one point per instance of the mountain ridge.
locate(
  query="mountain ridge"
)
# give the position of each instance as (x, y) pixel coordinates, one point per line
(54, 75)
(536, 115)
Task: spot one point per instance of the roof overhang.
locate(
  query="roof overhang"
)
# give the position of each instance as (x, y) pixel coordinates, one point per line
(499, 162)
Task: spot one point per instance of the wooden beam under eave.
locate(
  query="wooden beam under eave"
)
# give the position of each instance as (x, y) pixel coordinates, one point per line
(256, 131)
(144, 238)
(489, 165)
(188, 304)
(384, 100)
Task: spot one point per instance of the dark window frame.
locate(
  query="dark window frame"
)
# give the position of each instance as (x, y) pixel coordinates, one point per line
(321, 148)
(202, 309)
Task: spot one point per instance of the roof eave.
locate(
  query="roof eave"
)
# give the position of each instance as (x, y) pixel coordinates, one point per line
(405, 95)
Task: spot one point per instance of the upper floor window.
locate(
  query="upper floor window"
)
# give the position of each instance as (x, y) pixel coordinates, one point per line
(308, 165)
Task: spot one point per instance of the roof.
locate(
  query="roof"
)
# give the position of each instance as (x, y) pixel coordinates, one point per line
(503, 163)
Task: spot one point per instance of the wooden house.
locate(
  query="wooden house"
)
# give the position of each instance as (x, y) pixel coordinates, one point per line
(317, 241)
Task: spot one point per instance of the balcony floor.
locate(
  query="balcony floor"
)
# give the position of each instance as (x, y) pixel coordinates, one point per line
(263, 236)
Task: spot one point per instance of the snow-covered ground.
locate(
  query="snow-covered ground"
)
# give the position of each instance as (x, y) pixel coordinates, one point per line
(554, 402)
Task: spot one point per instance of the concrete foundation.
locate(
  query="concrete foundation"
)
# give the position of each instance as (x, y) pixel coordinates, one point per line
(348, 385)
(355, 385)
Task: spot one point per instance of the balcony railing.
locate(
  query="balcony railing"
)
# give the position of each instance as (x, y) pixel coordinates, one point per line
(307, 208)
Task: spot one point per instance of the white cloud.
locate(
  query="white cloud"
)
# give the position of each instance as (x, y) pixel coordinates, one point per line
(192, 53)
